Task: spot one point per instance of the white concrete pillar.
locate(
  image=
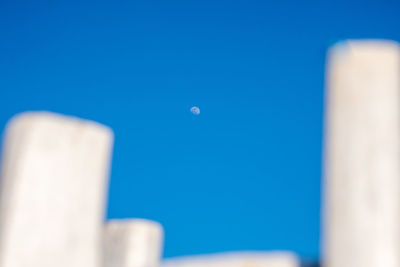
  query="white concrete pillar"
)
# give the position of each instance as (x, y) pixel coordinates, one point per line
(53, 184)
(362, 155)
(132, 243)
(236, 259)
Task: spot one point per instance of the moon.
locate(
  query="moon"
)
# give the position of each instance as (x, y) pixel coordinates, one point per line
(195, 110)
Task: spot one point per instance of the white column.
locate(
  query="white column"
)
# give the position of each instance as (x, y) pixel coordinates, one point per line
(362, 155)
(132, 243)
(53, 184)
(236, 259)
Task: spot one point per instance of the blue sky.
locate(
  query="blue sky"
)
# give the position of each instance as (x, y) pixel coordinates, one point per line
(244, 174)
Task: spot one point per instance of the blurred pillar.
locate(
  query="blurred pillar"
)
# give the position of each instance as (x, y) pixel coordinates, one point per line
(236, 259)
(362, 156)
(53, 181)
(132, 243)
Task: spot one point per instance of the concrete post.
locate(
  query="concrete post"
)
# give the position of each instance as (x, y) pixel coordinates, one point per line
(236, 259)
(132, 243)
(53, 182)
(362, 156)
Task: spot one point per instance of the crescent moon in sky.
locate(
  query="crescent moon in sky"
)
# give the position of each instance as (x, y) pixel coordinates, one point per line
(195, 110)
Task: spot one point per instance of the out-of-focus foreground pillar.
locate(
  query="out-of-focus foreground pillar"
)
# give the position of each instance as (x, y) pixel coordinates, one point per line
(132, 243)
(362, 156)
(53, 184)
(237, 259)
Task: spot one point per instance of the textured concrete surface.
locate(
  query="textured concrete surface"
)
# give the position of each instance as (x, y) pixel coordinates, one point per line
(53, 184)
(236, 259)
(362, 156)
(132, 243)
